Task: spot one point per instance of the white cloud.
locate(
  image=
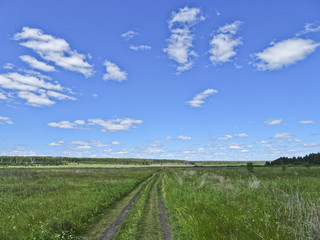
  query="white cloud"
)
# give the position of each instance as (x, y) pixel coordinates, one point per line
(59, 143)
(8, 66)
(113, 72)
(180, 42)
(285, 53)
(36, 100)
(2, 96)
(295, 140)
(33, 87)
(5, 120)
(234, 147)
(181, 137)
(311, 145)
(225, 137)
(198, 100)
(140, 47)
(113, 125)
(128, 35)
(110, 125)
(64, 124)
(272, 122)
(309, 28)
(53, 49)
(307, 122)
(282, 135)
(34, 63)
(223, 44)
(241, 135)
(115, 142)
(19, 151)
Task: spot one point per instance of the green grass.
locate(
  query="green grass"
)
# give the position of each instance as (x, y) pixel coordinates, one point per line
(59, 203)
(230, 203)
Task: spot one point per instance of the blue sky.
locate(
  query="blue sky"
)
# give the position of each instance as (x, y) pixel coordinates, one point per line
(194, 80)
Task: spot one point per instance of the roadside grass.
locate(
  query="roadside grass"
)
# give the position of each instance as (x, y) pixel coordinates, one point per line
(231, 203)
(142, 222)
(59, 203)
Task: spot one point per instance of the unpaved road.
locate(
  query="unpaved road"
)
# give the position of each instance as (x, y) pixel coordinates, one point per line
(112, 229)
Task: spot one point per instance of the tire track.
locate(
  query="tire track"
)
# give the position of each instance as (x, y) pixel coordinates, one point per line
(163, 217)
(112, 229)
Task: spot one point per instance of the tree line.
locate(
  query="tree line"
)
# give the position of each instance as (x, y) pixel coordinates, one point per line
(311, 159)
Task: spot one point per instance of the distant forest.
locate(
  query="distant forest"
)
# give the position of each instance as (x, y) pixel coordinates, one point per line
(311, 159)
(47, 160)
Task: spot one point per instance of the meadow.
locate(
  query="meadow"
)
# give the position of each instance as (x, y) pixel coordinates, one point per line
(59, 203)
(232, 203)
(217, 202)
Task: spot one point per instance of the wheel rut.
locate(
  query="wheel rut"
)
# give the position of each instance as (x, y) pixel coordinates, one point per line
(112, 229)
(145, 231)
(163, 217)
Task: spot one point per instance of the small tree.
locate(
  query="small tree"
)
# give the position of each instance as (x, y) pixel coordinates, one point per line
(250, 166)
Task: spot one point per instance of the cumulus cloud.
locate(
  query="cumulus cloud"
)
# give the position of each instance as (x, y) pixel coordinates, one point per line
(34, 63)
(5, 120)
(113, 72)
(241, 135)
(65, 124)
(309, 28)
(140, 47)
(198, 100)
(83, 145)
(33, 87)
(53, 49)
(282, 135)
(59, 143)
(285, 53)
(128, 35)
(234, 147)
(225, 137)
(307, 122)
(180, 48)
(224, 43)
(19, 151)
(181, 137)
(272, 122)
(111, 125)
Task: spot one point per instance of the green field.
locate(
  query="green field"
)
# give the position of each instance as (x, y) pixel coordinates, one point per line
(200, 202)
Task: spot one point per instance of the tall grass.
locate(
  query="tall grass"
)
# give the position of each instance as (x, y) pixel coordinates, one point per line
(59, 204)
(231, 203)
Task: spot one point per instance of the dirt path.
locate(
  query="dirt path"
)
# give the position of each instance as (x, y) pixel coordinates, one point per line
(112, 229)
(163, 217)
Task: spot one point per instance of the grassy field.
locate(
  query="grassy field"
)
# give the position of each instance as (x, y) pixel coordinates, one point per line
(59, 203)
(231, 203)
(200, 202)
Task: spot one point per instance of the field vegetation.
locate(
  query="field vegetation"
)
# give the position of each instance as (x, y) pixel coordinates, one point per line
(234, 203)
(60, 203)
(250, 201)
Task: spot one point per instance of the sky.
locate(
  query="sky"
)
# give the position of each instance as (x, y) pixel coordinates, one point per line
(185, 79)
